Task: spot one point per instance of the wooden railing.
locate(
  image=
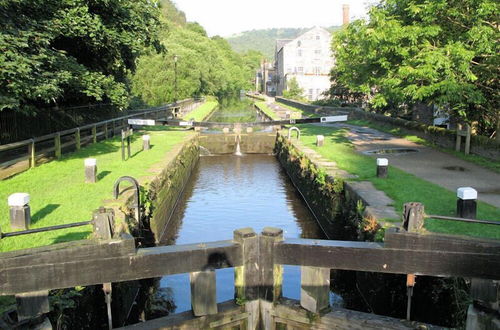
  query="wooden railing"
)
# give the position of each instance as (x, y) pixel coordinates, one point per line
(258, 261)
(19, 156)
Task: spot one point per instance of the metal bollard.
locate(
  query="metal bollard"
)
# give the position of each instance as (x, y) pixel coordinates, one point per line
(320, 140)
(382, 167)
(19, 209)
(467, 202)
(146, 142)
(90, 170)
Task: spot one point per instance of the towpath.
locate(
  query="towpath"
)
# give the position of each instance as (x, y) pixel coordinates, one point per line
(427, 163)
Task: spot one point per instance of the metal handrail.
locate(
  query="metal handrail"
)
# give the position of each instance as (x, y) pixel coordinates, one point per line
(137, 200)
(442, 217)
(43, 229)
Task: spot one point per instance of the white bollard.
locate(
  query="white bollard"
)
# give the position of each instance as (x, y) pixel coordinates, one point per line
(467, 202)
(19, 209)
(320, 140)
(90, 170)
(146, 142)
(382, 167)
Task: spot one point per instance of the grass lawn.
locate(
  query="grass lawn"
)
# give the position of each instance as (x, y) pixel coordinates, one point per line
(267, 110)
(200, 113)
(301, 113)
(397, 131)
(402, 187)
(59, 194)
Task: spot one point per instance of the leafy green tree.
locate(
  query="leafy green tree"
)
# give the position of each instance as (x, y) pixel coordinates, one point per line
(205, 66)
(60, 52)
(294, 91)
(433, 51)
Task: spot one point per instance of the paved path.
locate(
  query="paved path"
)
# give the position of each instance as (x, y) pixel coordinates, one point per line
(427, 163)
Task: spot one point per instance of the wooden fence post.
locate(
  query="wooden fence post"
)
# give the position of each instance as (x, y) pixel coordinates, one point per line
(57, 145)
(315, 288)
(203, 299)
(105, 131)
(247, 277)
(94, 134)
(114, 128)
(271, 274)
(414, 216)
(32, 153)
(467, 138)
(78, 139)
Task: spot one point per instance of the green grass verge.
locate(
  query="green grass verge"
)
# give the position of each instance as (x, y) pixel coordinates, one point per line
(301, 113)
(402, 187)
(397, 131)
(203, 111)
(267, 110)
(59, 194)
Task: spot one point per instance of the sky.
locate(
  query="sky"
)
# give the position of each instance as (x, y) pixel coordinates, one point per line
(228, 17)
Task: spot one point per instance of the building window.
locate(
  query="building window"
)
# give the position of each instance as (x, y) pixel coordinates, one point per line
(318, 37)
(289, 70)
(300, 69)
(299, 43)
(317, 70)
(311, 94)
(299, 52)
(317, 52)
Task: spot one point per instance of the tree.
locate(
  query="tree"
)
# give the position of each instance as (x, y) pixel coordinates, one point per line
(438, 52)
(206, 66)
(294, 91)
(55, 52)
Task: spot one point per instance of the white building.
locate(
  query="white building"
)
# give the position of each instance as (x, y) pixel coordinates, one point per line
(308, 58)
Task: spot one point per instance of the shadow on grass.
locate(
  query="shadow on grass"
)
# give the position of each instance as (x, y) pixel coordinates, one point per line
(40, 214)
(75, 236)
(102, 175)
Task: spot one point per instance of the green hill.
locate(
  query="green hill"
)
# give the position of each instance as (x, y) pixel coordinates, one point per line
(265, 40)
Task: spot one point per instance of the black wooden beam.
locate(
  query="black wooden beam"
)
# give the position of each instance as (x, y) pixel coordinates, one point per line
(144, 263)
(374, 257)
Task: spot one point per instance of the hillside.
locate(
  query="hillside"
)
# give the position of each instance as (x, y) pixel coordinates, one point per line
(264, 40)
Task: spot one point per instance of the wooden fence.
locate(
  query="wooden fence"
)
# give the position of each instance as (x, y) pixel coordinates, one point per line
(257, 261)
(19, 156)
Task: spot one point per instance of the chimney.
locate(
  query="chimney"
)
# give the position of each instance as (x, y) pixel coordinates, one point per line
(345, 12)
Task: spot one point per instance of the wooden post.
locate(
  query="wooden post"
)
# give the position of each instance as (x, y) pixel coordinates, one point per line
(32, 154)
(123, 145)
(315, 288)
(413, 221)
(94, 134)
(114, 128)
(78, 139)
(413, 217)
(271, 275)
(467, 139)
(247, 277)
(32, 304)
(203, 298)
(105, 131)
(459, 138)
(57, 145)
(104, 220)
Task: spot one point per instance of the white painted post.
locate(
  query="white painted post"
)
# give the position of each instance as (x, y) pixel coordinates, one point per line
(467, 202)
(382, 167)
(19, 209)
(320, 140)
(146, 142)
(90, 170)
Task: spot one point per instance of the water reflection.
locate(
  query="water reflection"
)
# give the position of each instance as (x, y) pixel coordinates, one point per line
(235, 110)
(229, 192)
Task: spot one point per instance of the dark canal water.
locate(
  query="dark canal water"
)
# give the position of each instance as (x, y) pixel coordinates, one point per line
(231, 192)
